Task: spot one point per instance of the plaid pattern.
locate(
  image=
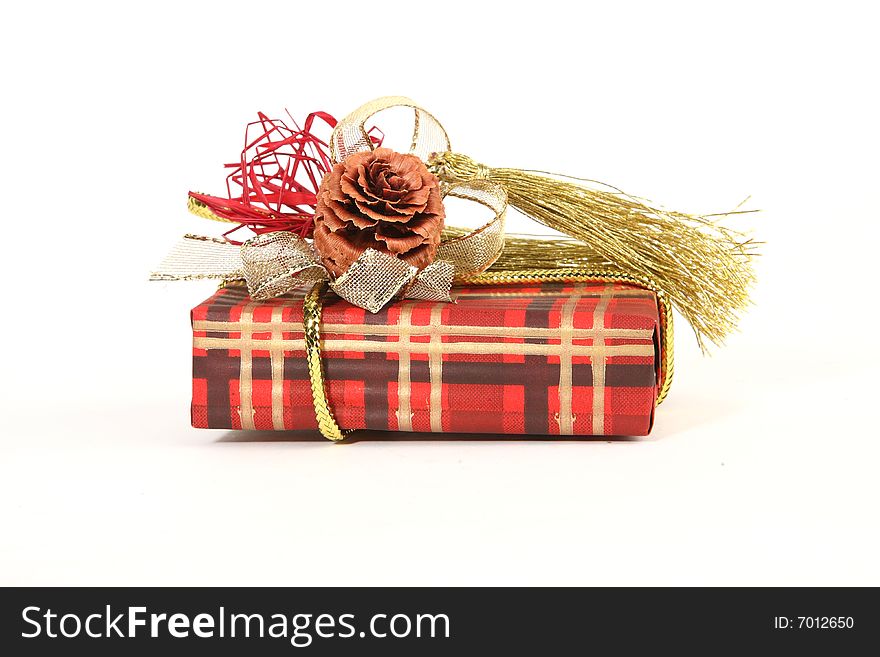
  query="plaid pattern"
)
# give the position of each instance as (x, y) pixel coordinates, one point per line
(551, 358)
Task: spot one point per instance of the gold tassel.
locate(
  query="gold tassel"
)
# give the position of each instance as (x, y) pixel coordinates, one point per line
(703, 268)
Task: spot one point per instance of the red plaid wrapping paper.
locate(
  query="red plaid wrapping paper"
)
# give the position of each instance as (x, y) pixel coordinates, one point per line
(549, 358)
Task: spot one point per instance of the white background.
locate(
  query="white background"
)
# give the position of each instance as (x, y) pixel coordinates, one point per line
(762, 468)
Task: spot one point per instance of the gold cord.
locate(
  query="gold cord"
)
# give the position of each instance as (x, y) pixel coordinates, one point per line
(312, 307)
(199, 209)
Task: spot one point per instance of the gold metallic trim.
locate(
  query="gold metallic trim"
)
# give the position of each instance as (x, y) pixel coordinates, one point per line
(312, 307)
(200, 209)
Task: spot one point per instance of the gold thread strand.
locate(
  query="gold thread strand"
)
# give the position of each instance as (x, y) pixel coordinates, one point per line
(704, 268)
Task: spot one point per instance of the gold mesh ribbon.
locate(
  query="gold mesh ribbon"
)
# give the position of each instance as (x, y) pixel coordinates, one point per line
(276, 263)
(374, 279)
(198, 257)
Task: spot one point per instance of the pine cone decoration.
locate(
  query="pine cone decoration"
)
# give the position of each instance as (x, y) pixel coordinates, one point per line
(382, 200)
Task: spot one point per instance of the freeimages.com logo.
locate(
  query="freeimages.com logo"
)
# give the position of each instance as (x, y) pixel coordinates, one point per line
(299, 629)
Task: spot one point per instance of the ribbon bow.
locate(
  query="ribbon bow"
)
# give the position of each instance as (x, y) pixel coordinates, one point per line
(276, 263)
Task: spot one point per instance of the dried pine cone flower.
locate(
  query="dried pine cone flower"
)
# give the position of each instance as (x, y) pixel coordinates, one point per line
(381, 200)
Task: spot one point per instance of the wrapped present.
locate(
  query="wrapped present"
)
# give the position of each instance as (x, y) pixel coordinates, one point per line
(581, 358)
(360, 302)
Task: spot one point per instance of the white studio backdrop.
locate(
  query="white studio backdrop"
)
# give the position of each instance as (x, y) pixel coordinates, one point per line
(762, 465)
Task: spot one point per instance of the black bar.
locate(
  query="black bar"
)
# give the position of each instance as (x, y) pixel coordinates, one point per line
(436, 621)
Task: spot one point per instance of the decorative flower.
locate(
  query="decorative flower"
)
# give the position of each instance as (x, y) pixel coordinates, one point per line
(381, 200)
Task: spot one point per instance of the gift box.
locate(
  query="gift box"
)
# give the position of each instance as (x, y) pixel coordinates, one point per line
(353, 299)
(537, 358)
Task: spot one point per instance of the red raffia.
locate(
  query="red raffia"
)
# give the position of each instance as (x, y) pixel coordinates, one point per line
(277, 178)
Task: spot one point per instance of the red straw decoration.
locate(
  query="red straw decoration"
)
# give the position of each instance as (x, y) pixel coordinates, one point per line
(277, 178)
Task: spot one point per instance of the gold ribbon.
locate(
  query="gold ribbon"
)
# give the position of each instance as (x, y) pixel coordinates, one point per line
(276, 263)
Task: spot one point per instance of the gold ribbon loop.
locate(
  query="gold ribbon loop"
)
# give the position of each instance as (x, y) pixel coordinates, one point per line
(475, 251)
(351, 135)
